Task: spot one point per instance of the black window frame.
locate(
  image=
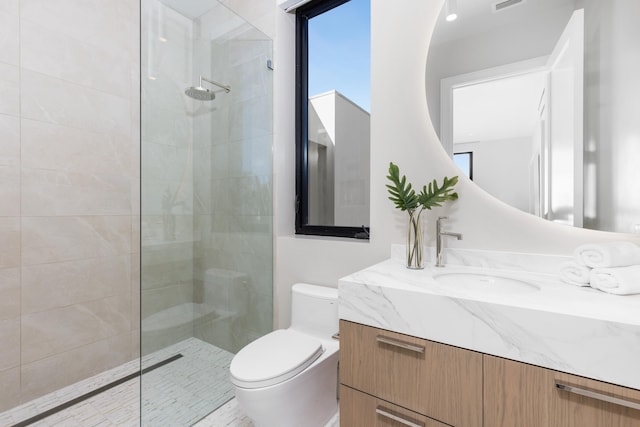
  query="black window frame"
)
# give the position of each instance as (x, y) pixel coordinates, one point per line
(303, 14)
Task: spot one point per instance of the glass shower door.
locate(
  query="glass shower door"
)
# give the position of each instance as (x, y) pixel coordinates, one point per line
(206, 189)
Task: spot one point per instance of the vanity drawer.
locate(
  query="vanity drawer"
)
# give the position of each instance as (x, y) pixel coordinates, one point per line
(433, 379)
(583, 402)
(530, 396)
(358, 409)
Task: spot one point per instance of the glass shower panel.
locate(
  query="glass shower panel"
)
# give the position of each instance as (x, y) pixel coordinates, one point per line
(206, 188)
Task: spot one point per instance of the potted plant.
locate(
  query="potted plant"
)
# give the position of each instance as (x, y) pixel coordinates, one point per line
(406, 199)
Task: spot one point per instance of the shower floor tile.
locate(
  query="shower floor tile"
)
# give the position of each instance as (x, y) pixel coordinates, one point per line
(178, 394)
(185, 390)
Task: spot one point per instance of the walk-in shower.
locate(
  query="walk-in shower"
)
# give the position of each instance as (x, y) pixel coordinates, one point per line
(203, 94)
(137, 230)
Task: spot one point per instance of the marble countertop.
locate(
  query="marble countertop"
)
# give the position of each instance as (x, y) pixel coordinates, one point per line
(546, 323)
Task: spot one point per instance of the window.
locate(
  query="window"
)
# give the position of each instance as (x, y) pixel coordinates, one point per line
(332, 118)
(465, 162)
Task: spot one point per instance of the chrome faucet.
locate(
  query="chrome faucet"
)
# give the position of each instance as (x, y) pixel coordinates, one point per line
(439, 234)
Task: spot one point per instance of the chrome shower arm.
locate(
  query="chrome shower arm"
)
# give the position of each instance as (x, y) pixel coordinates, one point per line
(220, 85)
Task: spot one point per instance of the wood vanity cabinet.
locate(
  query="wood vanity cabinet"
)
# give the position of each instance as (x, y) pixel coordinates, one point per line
(366, 410)
(517, 394)
(391, 379)
(441, 383)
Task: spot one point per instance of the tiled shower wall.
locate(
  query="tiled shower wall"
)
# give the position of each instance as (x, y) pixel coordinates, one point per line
(69, 192)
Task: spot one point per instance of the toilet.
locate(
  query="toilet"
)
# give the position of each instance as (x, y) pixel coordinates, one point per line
(289, 377)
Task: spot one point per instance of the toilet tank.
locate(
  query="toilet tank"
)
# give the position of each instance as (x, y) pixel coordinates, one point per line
(314, 310)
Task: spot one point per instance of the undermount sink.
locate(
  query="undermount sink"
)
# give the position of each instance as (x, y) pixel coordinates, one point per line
(484, 282)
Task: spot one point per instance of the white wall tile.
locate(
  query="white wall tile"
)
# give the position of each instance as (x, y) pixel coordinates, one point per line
(9, 191)
(10, 390)
(53, 100)
(56, 239)
(10, 238)
(51, 193)
(60, 330)
(55, 285)
(9, 166)
(58, 55)
(9, 88)
(69, 149)
(11, 7)
(107, 24)
(9, 293)
(9, 38)
(49, 374)
(9, 141)
(10, 339)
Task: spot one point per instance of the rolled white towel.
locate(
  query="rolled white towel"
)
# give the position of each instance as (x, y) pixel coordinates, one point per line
(575, 273)
(617, 280)
(612, 254)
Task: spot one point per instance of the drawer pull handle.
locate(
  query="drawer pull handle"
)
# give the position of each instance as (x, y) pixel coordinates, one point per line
(599, 396)
(396, 417)
(401, 344)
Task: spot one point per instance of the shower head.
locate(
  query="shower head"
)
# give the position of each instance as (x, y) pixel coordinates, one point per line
(202, 94)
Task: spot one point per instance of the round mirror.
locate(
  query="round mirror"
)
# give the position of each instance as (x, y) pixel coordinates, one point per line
(537, 102)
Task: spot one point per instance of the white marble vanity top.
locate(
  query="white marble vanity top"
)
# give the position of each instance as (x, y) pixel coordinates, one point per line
(546, 322)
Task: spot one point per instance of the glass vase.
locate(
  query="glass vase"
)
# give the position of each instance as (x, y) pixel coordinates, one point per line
(415, 258)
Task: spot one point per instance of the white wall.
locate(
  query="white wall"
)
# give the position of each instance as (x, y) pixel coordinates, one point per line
(401, 132)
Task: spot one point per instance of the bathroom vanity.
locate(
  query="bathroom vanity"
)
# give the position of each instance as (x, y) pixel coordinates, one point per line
(485, 344)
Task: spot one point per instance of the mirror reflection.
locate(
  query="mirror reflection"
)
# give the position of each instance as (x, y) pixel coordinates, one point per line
(543, 94)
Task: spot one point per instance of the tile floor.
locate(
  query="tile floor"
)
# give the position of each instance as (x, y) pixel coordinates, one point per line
(178, 394)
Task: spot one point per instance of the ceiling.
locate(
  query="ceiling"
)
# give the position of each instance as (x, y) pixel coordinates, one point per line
(192, 9)
(478, 16)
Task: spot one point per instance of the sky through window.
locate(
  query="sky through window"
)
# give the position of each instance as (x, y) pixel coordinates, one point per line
(339, 52)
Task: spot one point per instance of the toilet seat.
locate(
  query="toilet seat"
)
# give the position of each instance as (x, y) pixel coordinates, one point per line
(274, 358)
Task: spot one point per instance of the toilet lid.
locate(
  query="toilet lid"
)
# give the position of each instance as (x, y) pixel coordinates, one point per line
(274, 358)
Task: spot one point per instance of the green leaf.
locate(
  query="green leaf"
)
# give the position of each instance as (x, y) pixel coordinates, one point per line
(401, 193)
(433, 195)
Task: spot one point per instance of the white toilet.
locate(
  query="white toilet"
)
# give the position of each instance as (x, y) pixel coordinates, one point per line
(289, 377)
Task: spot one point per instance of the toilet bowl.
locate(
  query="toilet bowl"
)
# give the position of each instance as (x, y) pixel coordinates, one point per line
(289, 377)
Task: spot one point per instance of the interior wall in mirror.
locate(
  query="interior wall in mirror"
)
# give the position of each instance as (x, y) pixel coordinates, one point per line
(545, 94)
